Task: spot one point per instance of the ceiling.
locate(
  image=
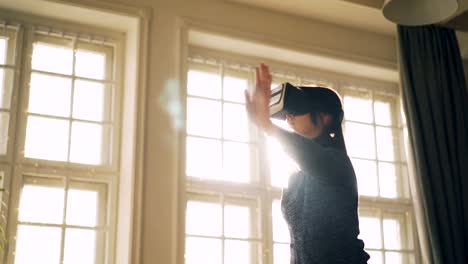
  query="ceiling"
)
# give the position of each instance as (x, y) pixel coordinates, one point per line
(360, 14)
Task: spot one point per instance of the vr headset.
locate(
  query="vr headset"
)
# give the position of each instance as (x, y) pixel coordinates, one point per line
(289, 99)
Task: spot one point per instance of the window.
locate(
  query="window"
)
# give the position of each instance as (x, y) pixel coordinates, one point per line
(58, 144)
(229, 181)
(373, 135)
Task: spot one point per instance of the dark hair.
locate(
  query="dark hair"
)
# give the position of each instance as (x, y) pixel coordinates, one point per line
(326, 100)
(333, 130)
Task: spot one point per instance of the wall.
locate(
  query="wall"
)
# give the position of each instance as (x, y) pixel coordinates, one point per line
(162, 143)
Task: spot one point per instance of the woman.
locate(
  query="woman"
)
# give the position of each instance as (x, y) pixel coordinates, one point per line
(320, 203)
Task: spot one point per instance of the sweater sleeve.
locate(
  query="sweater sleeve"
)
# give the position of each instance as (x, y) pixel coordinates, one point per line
(313, 158)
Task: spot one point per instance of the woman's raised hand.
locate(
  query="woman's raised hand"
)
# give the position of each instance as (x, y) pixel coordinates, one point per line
(258, 105)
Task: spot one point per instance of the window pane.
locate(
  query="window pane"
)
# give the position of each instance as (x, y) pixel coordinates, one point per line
(280, 228)
(236, 123)
(203, 218)
(6, 87)
(370, 232)
(236, 252)
(204, 84)
(237, 221)
(234, 88)
(393, 257)
(392, 239)
(204, 158)
(4, 125)
(80, 246)
(41, 204)
(52, 58)
(46, 138)
(89, 100)
(90, 64)
(281, 253)
(202, 250)
(366, 174)
(49, 95)
(385, 144)
(3, 50)
(383, 113)
(358, 109)
(360, 140)
(204, 117)
(388, 180)
(37, 245)
(82, 207)
(376, 257)
(87, 143)
(236, 167)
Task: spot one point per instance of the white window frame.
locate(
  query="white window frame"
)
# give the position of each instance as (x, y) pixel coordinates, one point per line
(16, 165)
(284, 72)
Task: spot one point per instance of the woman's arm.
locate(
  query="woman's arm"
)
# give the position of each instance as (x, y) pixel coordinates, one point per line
(310, 156)
(304, 151)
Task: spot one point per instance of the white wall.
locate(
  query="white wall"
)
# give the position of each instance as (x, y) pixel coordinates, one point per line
(162, 147)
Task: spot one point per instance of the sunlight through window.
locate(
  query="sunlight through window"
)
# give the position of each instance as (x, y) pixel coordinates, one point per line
(52, 58)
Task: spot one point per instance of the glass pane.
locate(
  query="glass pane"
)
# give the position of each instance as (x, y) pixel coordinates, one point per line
(89, 100)
(360, 141)
(358, 109)
(6, 87)
(376, 257)
(4, 125)
(82, 207)
(41, 204)
(388, 180)
(385, 144)
(203, 218)
(46, 138)
(383, 113)
(280, 228)
(204, 117)
(392, 239)
(80, 246)
(36, 244)
(281, 165)
(204, 84)
(236, 167)
(237, 221)
(87, 143)
(281, 254)
(234, 88)
(52, 58)
(202, 250)
(366, 174)
(236, 252)
(3, 50)
(393, 257)
(204, 158)
(49, 95)
(90, 64)
(236, 123)
(370, 232)
(405, 181)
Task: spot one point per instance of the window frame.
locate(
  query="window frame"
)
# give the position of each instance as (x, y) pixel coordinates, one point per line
(18, 164)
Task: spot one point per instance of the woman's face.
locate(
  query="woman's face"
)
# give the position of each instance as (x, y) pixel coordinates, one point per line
(303, 125)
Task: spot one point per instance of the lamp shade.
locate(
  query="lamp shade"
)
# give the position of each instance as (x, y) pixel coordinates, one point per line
(419, 12)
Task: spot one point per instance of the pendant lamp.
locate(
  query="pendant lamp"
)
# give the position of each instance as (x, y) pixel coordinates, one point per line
(419, 12)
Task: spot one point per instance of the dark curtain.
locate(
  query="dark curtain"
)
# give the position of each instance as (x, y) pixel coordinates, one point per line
(435, 101)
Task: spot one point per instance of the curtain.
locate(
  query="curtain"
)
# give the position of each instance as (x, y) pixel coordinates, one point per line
(435, 102)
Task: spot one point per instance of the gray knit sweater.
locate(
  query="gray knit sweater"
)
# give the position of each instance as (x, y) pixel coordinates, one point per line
(320, 204)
